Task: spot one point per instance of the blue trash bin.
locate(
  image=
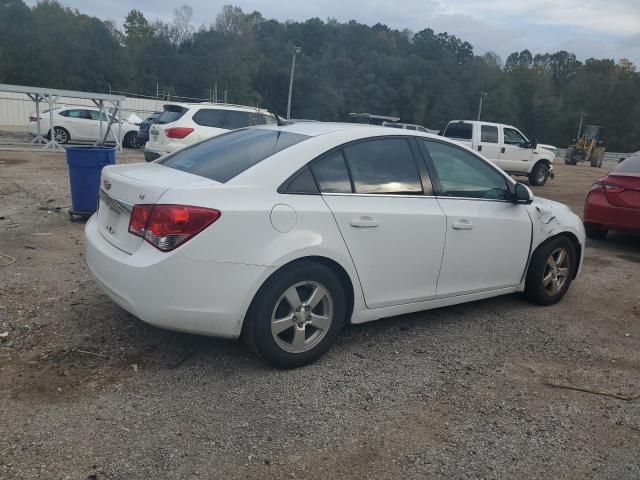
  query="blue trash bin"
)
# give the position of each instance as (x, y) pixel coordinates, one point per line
(85, 165)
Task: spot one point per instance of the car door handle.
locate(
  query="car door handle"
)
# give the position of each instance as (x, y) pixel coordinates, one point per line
(364, 222)
(462, 225)
(479, 148)
(502, 150)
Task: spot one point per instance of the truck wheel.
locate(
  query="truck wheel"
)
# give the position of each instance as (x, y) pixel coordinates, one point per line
(539, 174)
(568, 156)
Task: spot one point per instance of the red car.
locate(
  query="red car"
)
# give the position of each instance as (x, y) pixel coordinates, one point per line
(614, 201)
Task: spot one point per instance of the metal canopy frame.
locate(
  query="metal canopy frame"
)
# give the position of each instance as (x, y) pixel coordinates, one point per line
(51, 96)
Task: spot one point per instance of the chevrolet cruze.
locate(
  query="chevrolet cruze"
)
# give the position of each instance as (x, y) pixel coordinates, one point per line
(283, 234)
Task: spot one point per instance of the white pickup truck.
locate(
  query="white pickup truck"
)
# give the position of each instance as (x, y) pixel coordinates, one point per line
(505, 146)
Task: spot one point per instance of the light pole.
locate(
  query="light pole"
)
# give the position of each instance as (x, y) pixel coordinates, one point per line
(482, 95)
(296, 52)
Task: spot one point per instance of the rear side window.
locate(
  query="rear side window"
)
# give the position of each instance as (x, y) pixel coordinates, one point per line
(489, 134)
(210, 117)
(383, 166)
(236, 119)
(459, 130)
(170, 114)
(331, 174)
(628, 165)
(222, 158)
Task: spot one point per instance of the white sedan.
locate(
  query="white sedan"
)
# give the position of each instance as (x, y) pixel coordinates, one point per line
(82, 124)
(283, 234)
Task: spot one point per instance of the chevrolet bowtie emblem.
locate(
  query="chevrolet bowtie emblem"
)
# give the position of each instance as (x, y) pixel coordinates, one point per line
(107, 184)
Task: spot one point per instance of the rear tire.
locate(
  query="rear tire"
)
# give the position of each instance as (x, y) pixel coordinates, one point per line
(60, 134)
(551, 271)
(539, 174)
(595, 231)
(130, 140)
(284, 327)
(568, 156)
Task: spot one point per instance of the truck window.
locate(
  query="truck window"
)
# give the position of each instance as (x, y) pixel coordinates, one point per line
(513, 137)
(489, 134)
(459, 130)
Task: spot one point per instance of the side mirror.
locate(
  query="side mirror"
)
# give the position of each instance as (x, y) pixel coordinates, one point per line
(522, 194)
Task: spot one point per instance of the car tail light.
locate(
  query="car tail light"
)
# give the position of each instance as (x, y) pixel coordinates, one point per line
(597, 186)
(33, 118)
(168, 226)
(178, 132)
(609, 188)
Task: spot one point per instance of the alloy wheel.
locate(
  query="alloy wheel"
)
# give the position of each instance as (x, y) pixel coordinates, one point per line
(556, 271)
(59, 135)
(302, 317)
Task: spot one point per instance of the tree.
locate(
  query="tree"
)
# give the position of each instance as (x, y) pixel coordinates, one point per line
(136, 27)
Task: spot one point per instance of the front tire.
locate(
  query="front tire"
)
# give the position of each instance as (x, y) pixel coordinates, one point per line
(539, 174)
(551, 271)
(296, 315)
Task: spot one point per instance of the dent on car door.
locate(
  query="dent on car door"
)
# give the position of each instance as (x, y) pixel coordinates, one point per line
(394, 233)
(488, 237)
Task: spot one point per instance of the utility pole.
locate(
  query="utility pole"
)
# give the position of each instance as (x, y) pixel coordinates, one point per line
(482, 95)
(296, 51)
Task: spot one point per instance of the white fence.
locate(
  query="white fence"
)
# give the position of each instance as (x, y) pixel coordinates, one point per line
(15, 108)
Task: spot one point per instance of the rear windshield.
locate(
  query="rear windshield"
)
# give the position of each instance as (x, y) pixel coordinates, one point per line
(171, 114)
(459, 130)
(223, 157)
(628, 165)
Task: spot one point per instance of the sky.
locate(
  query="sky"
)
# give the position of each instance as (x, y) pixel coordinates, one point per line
(588, 28)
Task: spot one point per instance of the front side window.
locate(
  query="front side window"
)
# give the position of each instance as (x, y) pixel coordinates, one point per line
(489, 134)
(95, 115)
(331, 174)
(513, 137)
(223, 157)
(210, 117)
(459, 130)
(383, 166)
(464, 175)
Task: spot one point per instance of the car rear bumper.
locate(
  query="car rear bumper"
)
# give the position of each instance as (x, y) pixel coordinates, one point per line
(151, 154)
(171, 290)
(598, 210)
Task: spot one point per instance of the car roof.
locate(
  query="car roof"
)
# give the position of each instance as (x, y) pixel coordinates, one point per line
(220, 106)
(314, 129)
(480, 122)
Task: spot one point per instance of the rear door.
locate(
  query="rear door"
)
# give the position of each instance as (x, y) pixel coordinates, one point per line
(394, 229)
(489, 142)
(514, 158)
(488, 237)
(78, 123)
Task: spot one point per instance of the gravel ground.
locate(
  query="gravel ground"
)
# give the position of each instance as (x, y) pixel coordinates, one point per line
(89, 392)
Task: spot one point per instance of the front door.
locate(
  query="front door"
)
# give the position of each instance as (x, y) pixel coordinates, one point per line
(488, 237)
(514, 157)
(394, 232)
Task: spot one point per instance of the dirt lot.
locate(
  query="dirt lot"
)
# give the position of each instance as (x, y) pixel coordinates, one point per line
(89, 392)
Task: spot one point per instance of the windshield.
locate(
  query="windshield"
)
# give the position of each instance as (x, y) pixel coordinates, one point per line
(223, 157)
(171, 114)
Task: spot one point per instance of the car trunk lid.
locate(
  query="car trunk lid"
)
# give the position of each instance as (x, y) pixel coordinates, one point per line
(623, 190)
(124, 186)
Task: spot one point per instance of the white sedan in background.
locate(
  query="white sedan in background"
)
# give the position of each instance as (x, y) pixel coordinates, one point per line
(283, 234)
(82, 124)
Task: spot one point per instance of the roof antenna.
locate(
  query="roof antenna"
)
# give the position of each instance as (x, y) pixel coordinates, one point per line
(280, 121)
